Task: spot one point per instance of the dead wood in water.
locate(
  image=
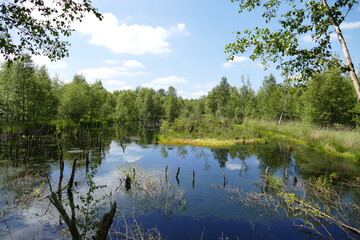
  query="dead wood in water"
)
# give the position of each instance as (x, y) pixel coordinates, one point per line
(105, 223)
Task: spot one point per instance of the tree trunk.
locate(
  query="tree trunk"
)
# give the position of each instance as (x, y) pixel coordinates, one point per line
(349, 62)
(282, 112)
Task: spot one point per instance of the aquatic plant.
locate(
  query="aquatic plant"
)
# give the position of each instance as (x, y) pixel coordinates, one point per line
(152, 189)
(325, 206)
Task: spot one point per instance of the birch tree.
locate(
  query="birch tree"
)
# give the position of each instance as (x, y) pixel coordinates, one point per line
(317, 19)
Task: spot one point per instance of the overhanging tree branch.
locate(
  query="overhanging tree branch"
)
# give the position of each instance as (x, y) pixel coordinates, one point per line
(37, 27)
(349, 62)
(282, 46)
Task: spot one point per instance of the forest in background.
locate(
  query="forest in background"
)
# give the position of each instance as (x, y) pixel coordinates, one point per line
(30, 97)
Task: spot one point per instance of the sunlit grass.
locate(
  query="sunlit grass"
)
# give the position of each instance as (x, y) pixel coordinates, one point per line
(207, 142)
(342, 142)
(339, 141)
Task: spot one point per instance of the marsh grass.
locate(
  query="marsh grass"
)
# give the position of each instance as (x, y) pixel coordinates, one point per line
(202, 133)
(315, 204)
(336, 140)
(207, 142)
(340, 141)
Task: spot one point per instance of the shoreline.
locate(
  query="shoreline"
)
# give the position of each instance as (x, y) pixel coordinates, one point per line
(342, 143)
(208, 142)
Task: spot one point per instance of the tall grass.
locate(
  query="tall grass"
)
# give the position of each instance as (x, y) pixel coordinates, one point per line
(341, 141)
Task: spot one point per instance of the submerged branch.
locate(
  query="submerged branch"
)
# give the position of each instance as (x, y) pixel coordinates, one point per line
(278, 195)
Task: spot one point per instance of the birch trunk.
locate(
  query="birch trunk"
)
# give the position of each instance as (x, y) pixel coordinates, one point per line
(349, 62)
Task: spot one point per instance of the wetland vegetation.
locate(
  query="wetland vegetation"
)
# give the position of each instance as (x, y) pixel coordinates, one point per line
(161, 191)
(80, 162)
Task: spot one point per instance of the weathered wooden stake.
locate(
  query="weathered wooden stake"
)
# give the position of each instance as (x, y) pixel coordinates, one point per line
(178, 171)
(71, 180)
(193, 179)
(294, 181)
(128, 183)
(225, 180)
(166, 173)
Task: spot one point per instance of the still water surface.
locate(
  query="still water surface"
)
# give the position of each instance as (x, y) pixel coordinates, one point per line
(199, 206)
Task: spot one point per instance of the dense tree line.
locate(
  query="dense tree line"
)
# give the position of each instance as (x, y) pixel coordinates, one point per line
(29, 96)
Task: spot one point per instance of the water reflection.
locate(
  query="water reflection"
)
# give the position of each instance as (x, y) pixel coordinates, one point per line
(170, 186)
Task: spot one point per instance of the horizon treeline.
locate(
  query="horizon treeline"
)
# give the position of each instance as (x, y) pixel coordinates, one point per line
(29, 96)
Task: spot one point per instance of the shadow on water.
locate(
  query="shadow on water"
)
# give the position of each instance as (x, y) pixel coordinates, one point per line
(105, 175)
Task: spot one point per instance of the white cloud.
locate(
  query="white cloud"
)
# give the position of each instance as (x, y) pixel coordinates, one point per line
(126, 88)
(205, 88)
(43, 60)
(164, 82)
(234, 166)
(132, 158)
(192, 95)
(121, 37)
(132, 64)
(112, 62)
(92, 74)
(116, 83)
(237, 59)
(307, 38)
(112, 85)
(170, 80)
(350, 25)
(180, 28)
(125, 63)
(120, 68)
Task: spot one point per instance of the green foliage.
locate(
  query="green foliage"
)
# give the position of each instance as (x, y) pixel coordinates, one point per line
(97, 98)
(344, 142)
(281, 45)
(278, 101)
(26, 93)
(90, 207)
(268, 99)
(182, 128)
(21, 31)
(274, 182)
(126, 109)
(218, 98)
(107, 111)
(356, 114)
(313, 214)
(74, 101)
(172, 104)
(329, 99)
(193, 109)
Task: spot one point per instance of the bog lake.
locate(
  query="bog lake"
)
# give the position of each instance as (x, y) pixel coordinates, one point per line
(189, 189)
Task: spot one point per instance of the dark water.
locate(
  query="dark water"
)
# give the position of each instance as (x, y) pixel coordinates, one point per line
(194, 205)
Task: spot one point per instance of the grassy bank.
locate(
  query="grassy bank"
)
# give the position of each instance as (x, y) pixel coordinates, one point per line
(201, 133)
(342, 142)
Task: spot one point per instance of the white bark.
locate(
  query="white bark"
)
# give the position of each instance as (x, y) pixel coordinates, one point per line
(349, 62)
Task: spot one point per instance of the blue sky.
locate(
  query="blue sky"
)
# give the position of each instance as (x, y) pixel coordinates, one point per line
(163, 43)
